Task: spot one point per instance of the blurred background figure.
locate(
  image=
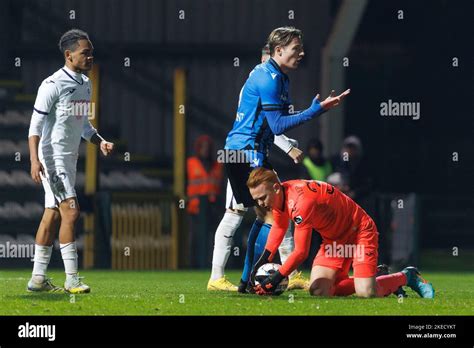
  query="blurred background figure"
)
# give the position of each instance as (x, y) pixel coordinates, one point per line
(350, 163)
(317, 167)
(204, 175)
(335, 179)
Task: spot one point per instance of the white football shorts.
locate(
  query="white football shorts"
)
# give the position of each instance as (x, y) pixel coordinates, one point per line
(59, 180)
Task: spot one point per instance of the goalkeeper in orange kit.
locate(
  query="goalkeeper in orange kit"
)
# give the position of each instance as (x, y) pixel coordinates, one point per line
(350, 238)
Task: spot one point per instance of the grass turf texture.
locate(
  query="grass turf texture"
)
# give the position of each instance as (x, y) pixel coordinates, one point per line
(184, 293)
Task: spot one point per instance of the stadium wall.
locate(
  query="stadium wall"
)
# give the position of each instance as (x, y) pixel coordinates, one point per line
(141, 30)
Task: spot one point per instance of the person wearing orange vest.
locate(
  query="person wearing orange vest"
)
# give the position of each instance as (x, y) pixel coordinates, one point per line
(205, 176)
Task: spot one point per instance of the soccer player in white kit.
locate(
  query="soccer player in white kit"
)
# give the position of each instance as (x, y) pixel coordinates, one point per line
(60, 118)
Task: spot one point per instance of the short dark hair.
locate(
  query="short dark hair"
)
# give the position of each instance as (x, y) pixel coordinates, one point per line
(69, 39)
(282, 37)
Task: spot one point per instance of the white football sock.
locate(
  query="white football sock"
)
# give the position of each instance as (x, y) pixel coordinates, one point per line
(69, 254)
(287, 246)
(41, 260)
(223, 243)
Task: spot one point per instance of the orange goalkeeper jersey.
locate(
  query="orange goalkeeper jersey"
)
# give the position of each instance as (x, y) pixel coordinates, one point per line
(313, 205)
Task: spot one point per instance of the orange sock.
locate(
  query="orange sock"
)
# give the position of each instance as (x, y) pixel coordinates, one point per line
(387, 284)
(344, 288)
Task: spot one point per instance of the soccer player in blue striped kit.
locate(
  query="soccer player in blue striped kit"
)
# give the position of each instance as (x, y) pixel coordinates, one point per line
(263, 112)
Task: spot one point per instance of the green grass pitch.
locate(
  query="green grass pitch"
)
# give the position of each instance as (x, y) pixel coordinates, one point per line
(184, 293)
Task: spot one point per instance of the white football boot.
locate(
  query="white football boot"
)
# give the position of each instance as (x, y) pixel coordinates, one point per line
(74, 285)
(42, 283)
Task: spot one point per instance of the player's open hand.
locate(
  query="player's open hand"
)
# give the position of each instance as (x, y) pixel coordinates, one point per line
(36, 171)
(296, 154)
(106, 147)
(333, 99)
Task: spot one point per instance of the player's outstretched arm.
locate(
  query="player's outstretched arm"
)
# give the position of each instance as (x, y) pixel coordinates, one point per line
(302, 236)
(280, 122)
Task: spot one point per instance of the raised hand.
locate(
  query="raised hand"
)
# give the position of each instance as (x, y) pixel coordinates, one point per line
(333, 99)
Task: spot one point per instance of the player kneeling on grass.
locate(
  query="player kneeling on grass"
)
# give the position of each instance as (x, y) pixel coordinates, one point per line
(349, 235)
(60, 118)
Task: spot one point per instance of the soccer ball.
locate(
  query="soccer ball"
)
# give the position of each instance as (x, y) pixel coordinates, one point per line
(265, 271)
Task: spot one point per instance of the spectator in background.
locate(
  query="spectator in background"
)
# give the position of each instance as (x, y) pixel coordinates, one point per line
(350, 163)
(204, 180)
(317, 166)
(335, 179)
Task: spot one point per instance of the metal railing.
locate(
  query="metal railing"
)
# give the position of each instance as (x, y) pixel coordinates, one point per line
(144, 234)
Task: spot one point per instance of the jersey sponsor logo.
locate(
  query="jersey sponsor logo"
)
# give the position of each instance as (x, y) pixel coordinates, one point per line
(298, 219)
(312, 185)
(71, 91)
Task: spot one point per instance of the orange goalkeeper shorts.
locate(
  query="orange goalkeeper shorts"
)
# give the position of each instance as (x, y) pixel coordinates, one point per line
(360, 251)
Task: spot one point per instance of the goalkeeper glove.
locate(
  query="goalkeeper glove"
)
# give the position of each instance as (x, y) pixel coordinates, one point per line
(269, 284)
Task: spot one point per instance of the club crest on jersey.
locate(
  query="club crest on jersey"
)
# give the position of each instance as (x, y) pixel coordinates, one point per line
(298, 219)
